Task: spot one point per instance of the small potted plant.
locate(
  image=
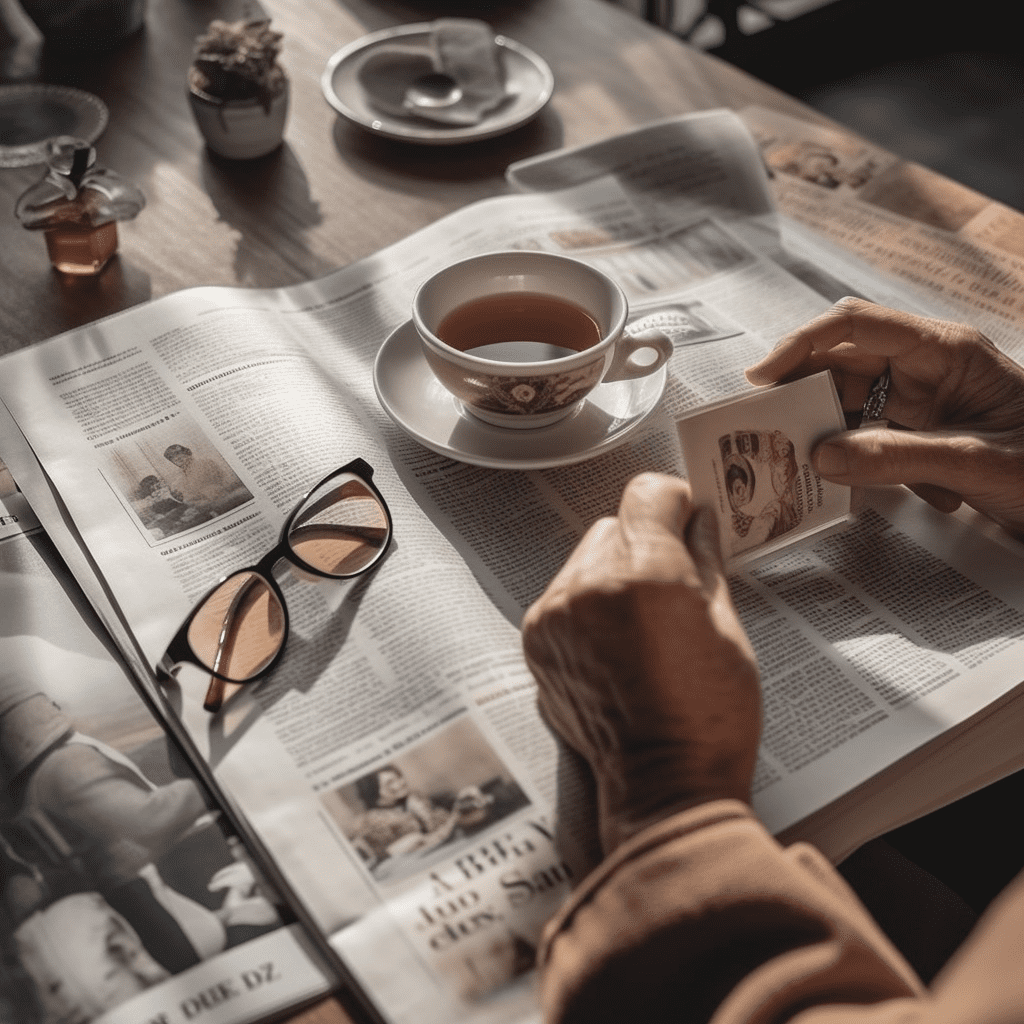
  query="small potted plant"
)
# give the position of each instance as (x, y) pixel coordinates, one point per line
(238, 91)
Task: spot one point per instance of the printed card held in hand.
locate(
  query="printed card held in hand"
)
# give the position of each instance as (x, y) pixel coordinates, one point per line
(748, 457)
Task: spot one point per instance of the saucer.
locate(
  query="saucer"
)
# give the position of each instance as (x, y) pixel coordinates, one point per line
(530, 84)
(31, 115)
(415, 399)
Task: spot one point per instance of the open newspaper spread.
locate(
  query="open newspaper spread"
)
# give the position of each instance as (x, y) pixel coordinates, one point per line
(168, 925)
(876, 644)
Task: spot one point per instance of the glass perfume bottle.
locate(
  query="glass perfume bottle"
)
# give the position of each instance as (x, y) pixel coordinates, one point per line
(77, 206)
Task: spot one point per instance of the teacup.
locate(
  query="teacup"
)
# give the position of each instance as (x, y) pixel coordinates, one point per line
(522, 337)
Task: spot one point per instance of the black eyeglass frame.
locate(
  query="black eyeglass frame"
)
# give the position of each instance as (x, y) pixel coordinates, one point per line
(180, 651)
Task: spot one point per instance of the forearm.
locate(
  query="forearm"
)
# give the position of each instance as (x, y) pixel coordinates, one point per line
(169, 812)
(152, 818)
(705, 915)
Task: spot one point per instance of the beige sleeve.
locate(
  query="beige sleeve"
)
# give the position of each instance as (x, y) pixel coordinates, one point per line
(705, 915)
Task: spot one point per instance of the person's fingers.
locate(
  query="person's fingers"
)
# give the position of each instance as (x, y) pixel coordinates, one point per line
(654, 500)
(654, 515)
(853, 335)
(937, 462)
(588, 555)
(703, 541)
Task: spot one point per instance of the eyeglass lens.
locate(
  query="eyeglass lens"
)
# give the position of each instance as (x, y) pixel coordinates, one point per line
(239, 628)
(339, 530)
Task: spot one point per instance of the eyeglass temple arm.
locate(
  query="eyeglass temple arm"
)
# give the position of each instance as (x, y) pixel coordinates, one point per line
(215, 692)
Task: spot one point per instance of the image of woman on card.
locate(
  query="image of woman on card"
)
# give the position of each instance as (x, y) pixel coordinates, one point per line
(760, 473)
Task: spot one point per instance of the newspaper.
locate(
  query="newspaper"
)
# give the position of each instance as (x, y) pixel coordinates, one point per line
(411, 680)
(180, 928)
(954, 247)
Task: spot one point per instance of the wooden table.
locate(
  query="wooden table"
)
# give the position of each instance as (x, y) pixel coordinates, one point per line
(333, 193)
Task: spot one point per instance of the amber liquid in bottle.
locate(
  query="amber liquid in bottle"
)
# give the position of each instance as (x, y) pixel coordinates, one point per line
(75, 249)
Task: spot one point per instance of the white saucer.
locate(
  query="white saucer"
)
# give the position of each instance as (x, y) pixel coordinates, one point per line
(31, 115)
(415, 399)
(530, 84)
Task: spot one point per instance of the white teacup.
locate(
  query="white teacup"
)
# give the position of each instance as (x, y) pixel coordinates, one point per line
(521, 337)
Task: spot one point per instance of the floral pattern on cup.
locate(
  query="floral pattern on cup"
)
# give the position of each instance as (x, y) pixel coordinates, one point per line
(536, 394)
(518, 396)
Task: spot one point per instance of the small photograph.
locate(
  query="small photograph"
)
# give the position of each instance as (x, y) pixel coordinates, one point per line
(174, 479)
(748, 457)
(813, 153)
(821, 164)
(687, 323)
(425, 802)
(760, 481)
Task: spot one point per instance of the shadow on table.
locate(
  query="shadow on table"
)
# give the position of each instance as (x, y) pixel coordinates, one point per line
(77, 300)
(269, 203)
(426, 170)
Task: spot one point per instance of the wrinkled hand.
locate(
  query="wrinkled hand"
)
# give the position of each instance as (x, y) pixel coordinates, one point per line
(642, 665)
(959, 400)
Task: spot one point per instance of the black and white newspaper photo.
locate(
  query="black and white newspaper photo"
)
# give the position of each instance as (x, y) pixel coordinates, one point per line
(125, 895)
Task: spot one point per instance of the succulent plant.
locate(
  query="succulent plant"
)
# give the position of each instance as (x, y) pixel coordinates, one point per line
(237, 60)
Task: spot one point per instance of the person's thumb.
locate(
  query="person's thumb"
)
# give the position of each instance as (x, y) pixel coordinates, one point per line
(705, 545)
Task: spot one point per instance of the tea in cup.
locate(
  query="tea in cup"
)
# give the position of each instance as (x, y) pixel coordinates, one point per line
(522, 337)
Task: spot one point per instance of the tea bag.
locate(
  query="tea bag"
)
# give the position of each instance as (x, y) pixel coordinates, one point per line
(456, 78)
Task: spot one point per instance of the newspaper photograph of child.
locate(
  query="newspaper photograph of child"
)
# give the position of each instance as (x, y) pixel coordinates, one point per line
(174, 479)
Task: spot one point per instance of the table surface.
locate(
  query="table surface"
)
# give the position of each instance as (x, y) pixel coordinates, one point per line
(333, 193)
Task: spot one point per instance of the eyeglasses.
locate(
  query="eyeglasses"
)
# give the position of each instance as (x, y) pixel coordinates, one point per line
(237, 632)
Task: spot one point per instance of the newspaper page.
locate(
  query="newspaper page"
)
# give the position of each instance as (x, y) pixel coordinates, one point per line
(394, 763)
(413, 676)
(957, 758)
(949, 245)
(126, 896)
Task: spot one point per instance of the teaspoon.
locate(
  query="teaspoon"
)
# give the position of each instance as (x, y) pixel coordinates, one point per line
(433, 92)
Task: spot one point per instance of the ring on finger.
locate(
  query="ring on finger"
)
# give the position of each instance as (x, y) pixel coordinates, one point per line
(874, 405)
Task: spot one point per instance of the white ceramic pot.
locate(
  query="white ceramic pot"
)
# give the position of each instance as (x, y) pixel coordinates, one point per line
(240, 129)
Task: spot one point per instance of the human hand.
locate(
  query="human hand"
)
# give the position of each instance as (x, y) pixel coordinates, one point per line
(243, 902)
(642, 665)
(957, 398)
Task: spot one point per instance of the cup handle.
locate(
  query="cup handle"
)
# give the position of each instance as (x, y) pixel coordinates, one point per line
(624, 367)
